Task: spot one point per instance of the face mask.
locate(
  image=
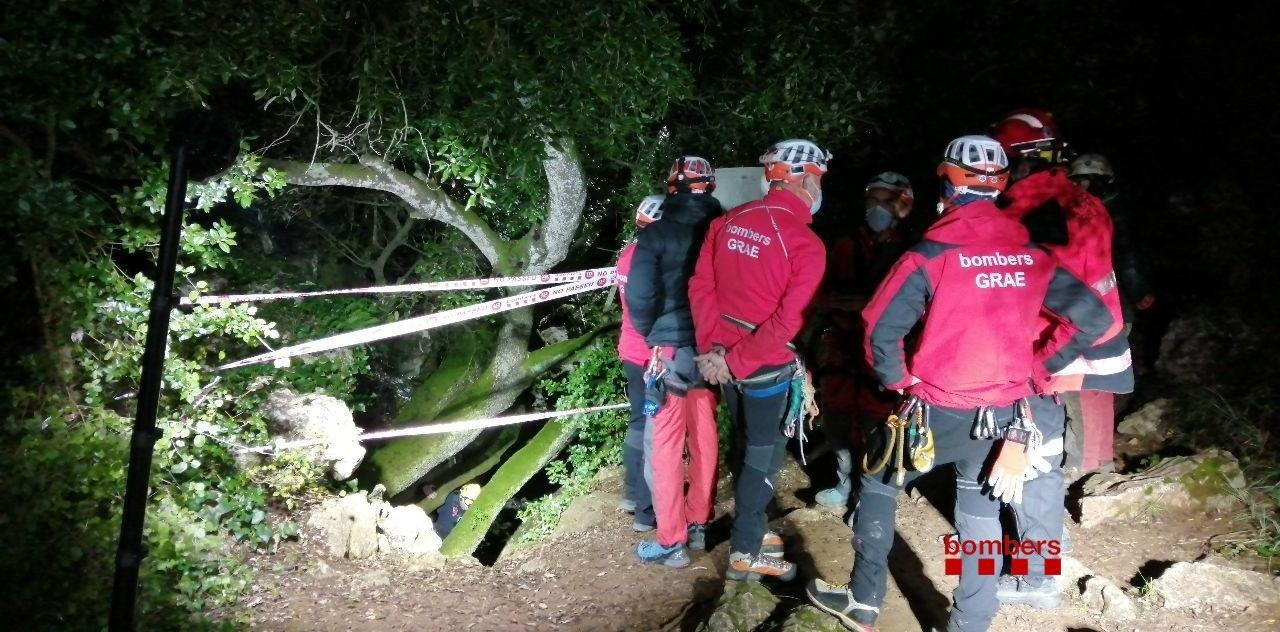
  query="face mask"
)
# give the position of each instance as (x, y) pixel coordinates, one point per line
(817, 199)
(879, 218)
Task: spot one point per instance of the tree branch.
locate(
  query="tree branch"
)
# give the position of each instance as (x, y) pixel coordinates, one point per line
(566, 199)
(379, 265)
(424, 200)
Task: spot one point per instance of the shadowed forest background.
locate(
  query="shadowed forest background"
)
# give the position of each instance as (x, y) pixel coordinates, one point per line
(390, 142)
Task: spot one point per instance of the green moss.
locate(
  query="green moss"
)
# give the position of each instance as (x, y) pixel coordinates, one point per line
(477, 465)
(504, 484)
(1210, 479)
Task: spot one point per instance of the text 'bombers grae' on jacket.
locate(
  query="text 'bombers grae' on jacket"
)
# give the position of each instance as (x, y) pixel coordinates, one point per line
(666, 251)
(631, 346)
(1107, 365)
(759, 267)
(979, 285)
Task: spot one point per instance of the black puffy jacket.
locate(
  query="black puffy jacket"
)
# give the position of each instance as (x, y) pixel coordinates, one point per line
(665, 255)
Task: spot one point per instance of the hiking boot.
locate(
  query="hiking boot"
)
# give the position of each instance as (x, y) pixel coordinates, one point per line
(838, 601)
(627, 505)
(744, 567)
(674, 556)
(832, 497)
(640, 527)
(1017, 591)
(771, 544)
(697, 537)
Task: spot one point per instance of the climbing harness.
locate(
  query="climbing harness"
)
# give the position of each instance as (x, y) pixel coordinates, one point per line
(654, 390)
(907, 426)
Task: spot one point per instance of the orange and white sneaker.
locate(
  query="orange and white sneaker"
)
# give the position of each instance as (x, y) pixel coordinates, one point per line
(744, 567)
(771, 544)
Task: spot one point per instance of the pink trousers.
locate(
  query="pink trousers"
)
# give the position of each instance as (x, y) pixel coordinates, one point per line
(682, 420)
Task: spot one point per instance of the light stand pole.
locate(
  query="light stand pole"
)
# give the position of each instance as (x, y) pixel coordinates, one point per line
(199, 146)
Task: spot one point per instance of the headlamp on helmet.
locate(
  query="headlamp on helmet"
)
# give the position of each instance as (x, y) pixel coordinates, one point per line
(691, 174)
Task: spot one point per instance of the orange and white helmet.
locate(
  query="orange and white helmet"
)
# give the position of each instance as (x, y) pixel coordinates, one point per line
(974, 165)
(1030, 133)
(649, 210)
(789, 159)
(691, 174)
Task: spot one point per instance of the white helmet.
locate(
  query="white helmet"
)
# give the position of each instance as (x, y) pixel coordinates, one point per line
(787, 159)
(1092, 165)
(649, 210)
(976, 165)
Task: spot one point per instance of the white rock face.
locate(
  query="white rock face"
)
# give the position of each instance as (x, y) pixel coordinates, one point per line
(317, 416)
(1208, 481)
(362, 524)
(409, 529)
(1103, 595)
(1212, 584)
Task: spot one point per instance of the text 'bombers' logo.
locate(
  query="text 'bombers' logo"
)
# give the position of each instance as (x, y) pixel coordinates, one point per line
(989, 551)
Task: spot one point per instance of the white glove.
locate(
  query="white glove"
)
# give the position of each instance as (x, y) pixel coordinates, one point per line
(1038, 463)
(1008, 469)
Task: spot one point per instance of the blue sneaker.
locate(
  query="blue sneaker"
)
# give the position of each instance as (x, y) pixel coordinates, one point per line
(697, 537)
(650, 552)
(832, 497)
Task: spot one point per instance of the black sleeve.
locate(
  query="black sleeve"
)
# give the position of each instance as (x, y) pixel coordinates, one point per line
(644, 282)
(1072, 299)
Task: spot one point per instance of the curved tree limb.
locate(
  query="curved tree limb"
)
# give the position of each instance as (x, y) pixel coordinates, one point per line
(425, 199)
(566, 198)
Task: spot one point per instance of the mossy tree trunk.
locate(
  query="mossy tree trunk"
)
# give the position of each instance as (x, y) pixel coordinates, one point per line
(480, 384)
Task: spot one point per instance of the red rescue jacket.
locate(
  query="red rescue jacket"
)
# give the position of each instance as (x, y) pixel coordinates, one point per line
(759, 267)
(631, 345)
(979, 284)
(1107, 365)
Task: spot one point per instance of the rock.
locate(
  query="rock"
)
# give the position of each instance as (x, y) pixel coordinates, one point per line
(534, 566)
(809, 619)
(1072, 571)
(1146, 430)
(1208, 481)
(409, 529)
(370, 581)
(291, 416)
(349, 525)
(1103, 595)
(1199, 347)
(1210, 583)
(432, 561)
(552, 335)
(742, 608)
(586, 512)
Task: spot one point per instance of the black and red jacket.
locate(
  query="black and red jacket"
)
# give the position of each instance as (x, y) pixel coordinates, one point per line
(979, 284)
(1106, 365)
(759, 267)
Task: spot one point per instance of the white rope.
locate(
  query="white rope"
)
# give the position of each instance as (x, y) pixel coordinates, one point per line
(434, 286)
(427, 321)
(440, 428)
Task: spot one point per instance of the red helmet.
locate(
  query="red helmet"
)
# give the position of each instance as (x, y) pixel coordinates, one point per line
(1029, 133)
(691, 174)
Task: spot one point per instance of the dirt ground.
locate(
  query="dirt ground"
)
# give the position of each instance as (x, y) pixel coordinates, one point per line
(585, 577)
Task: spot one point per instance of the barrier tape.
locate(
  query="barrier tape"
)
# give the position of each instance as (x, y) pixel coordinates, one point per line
(441, 428)
(434, 286)
(593, 281)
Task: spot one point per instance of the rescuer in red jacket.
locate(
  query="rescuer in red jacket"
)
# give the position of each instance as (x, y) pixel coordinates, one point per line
(976, 285)
(849, 395)
(634, 354)
(1078, 232)
(759, 267)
